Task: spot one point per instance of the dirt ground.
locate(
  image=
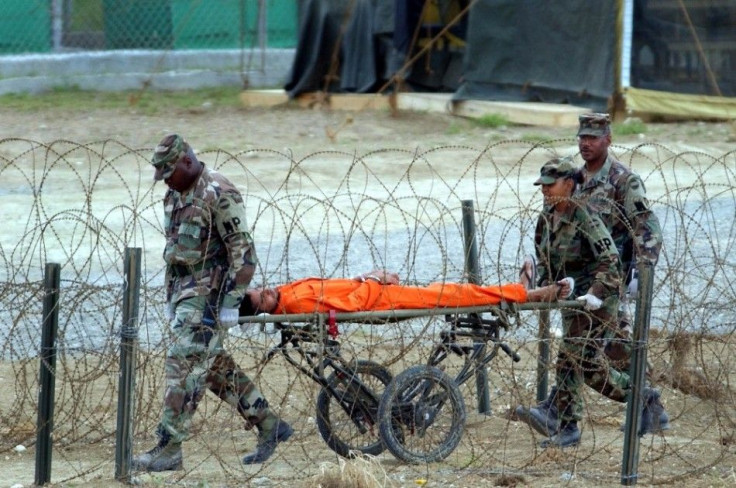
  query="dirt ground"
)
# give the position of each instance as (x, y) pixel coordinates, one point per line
(304, 131)
(508, 450)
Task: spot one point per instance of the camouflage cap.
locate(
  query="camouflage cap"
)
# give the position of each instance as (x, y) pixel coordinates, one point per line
(554, 169)
(594, 125)
(167, 153)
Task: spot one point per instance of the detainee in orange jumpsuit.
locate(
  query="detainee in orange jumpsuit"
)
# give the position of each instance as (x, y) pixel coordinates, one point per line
(380, 290)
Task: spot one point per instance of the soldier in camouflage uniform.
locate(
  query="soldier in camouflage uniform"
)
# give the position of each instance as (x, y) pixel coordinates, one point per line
(616, 194)
(572, 241)
(210, 260)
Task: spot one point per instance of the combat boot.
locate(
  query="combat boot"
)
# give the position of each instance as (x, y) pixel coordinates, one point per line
(654, 419)
(166, 456)
(543, 417)
(569, 435)
(270, 433)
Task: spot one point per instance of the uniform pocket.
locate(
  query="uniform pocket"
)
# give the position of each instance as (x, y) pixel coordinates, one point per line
(193, 229)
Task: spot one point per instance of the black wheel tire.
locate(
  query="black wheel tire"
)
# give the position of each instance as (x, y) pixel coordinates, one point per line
(422, 394)
(337, 427)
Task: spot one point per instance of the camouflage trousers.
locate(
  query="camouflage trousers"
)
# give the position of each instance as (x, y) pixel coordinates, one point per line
(196, 361)
(581, 360)
(618, 345)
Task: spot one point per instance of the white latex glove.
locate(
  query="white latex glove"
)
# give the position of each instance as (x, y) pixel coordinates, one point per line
(591, 302)
(170, 312)
(229, 317)
(633, 286)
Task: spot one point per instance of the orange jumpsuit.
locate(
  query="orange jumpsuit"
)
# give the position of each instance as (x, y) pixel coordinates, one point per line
(311, 295)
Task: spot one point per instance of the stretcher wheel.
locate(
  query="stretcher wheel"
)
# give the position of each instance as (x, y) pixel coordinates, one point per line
(422, 415)
(348, 420)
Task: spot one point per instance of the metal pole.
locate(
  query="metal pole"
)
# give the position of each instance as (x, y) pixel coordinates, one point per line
(47, 382)
(630, 462)
(543, 357)
(263, 30)
(472, 269)
(128, 349)
(57, 25)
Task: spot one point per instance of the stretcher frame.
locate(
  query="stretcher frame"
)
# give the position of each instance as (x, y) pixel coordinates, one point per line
(363, 409)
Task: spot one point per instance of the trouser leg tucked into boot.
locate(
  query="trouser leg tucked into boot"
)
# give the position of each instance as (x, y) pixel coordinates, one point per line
(271, 431)
(653, 416)
(544, 417)
(166, 456)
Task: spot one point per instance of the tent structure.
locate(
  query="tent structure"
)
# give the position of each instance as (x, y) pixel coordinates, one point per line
(672, 58)
(358, 46)
(663, 57)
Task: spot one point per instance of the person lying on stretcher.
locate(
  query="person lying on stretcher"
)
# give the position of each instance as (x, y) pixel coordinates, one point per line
(380, 290)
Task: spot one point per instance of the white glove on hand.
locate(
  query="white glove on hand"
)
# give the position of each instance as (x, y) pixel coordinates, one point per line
(591, 302)
(633, 286)
(229, 317)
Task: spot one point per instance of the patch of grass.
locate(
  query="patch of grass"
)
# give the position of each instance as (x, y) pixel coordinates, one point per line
(360, 472)
(454, 129)
(493, 121)
(630, 127)
(147, 101)
(532, 137)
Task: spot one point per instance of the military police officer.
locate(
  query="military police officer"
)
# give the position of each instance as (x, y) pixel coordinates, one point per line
(210, 260)
(617, 195)
(570, 241)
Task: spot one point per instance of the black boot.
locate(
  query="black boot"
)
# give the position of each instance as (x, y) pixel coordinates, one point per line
(543, 417)
(268, 438)
(654, 419)
(166, 456)
(569, 435)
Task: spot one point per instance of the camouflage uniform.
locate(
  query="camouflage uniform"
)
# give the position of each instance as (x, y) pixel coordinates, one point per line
(210, 260)
(577, 244)
(618, 196)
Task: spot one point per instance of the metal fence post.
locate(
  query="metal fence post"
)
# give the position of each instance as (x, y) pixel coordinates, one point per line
(543, 357)
(128, 349)
(47, 375)
(472, 269)
(630, 462)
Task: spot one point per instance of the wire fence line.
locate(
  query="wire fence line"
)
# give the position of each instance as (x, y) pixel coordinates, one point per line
(335, 214)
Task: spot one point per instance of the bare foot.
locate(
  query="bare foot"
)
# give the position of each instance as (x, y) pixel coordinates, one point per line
(550, 293)
(543, 294)
(528, 272)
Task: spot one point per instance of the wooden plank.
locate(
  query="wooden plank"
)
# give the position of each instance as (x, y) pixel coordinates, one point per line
(425, 102)
(525, 113)
(263, 98)
(358, 101)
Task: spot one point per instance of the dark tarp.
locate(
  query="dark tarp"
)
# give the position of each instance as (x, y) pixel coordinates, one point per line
(537, 50)
(343, 46)
(439, 68)
(532, 50)
(358, 45)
